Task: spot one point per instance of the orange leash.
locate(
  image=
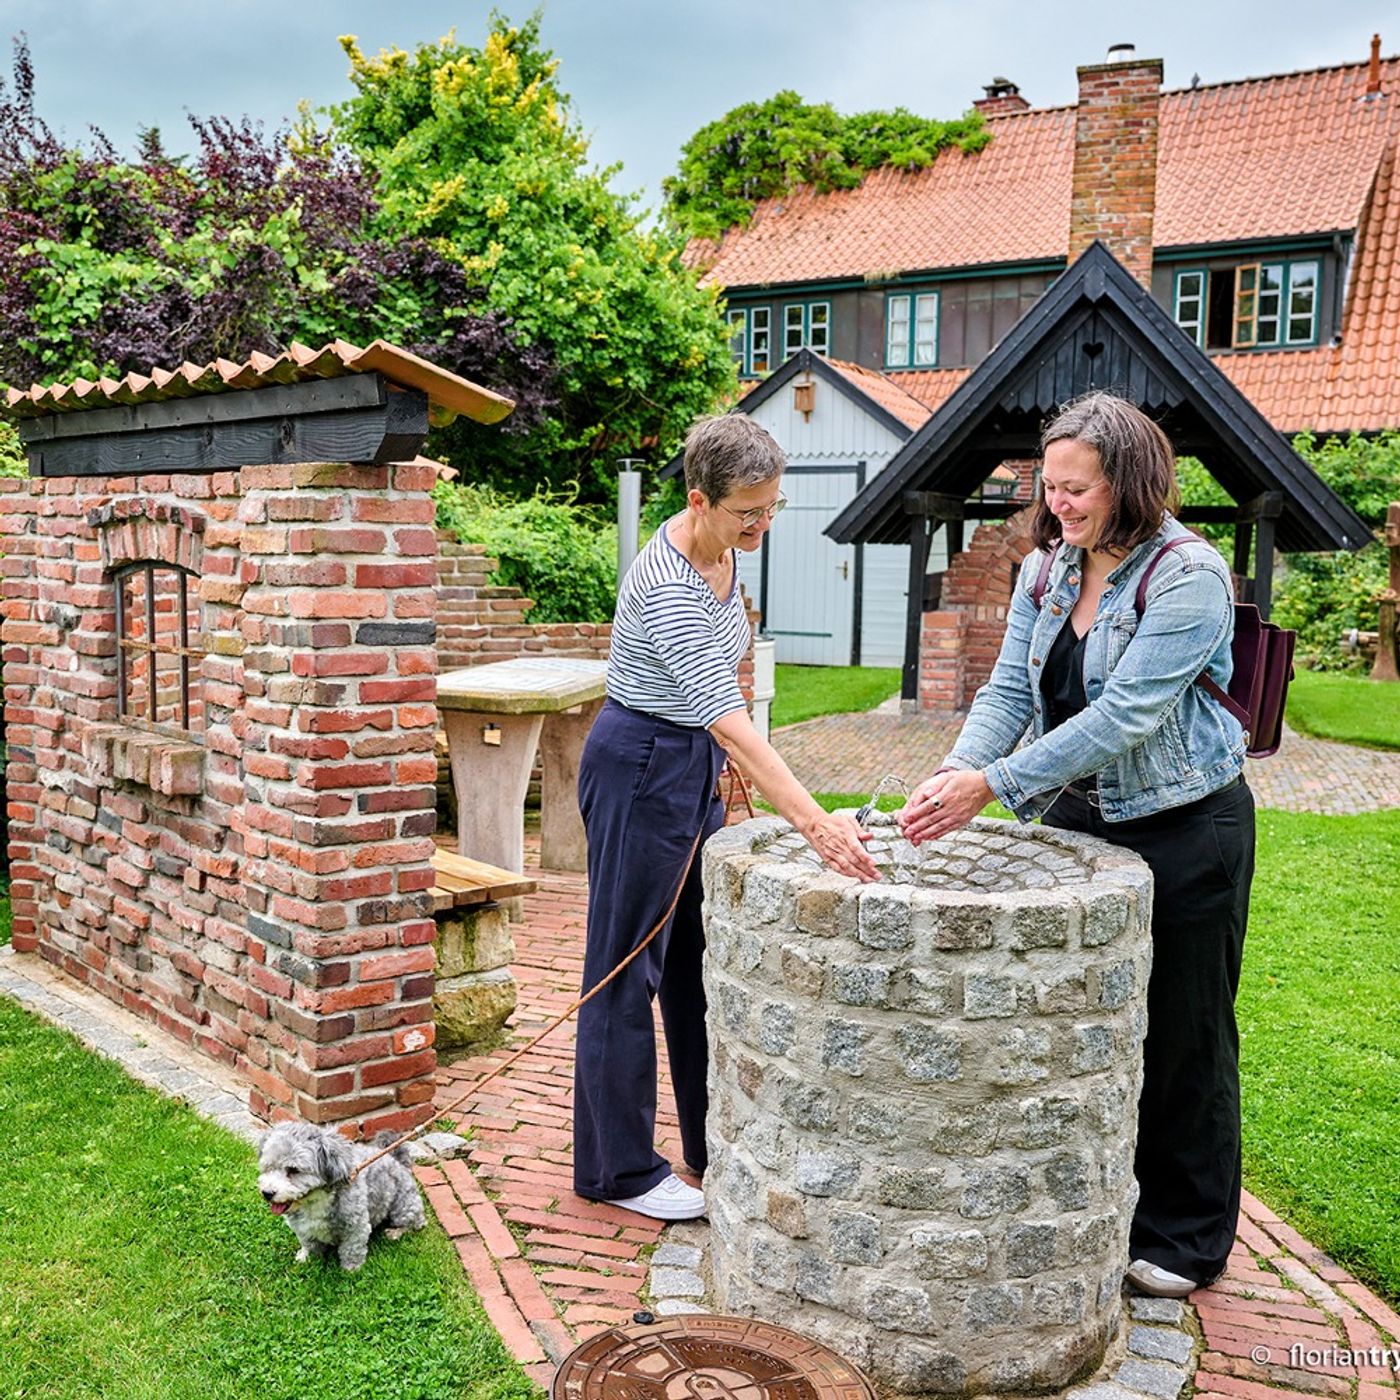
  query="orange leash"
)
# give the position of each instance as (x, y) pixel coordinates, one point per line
(564, 1016)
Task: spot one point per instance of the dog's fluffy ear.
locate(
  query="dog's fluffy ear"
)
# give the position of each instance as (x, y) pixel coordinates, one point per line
(335, 1158)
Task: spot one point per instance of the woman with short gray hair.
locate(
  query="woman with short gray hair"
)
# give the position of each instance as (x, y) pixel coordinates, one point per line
(647, 787)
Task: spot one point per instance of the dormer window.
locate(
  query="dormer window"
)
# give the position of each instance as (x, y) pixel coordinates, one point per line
(1250, 306)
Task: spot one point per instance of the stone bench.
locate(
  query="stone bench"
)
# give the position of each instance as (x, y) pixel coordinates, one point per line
(475, 991)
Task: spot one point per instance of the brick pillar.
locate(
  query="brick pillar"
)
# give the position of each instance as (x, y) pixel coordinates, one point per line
(1115, 161)
(338, 818)
(24, 637)
(942, 661)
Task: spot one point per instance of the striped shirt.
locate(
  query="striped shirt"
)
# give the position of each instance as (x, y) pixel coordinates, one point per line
(676, 647)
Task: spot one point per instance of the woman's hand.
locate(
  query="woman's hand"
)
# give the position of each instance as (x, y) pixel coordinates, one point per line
(839, 841)
(943, 804)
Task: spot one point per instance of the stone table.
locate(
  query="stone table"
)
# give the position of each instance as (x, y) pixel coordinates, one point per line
(496, 716)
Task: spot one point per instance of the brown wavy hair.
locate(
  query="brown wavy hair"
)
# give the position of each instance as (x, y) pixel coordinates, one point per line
(1137, 459)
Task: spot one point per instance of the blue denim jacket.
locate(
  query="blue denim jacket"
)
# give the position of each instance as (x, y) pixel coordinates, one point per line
(1153, 738)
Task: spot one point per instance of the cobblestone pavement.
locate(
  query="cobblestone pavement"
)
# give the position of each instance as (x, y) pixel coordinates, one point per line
(851, 753)
(553, 1269)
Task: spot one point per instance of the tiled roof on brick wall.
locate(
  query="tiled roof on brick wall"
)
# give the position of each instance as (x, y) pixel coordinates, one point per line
(449, 394)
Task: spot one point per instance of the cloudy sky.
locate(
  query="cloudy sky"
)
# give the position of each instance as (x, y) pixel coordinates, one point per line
(645, 74)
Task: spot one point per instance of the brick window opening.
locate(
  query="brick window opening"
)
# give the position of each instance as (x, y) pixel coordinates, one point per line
(154, 657)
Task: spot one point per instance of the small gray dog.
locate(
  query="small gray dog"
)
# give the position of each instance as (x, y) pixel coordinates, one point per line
(304, 1176)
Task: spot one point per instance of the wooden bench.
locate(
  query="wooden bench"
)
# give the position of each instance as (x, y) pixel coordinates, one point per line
(459, 881)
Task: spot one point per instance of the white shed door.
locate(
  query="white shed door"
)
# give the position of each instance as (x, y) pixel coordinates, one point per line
(809, 604)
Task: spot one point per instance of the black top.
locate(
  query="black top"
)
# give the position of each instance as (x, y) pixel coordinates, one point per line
(1062, 683)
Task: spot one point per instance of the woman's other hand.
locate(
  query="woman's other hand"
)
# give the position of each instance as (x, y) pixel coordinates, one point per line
(840, 841)
(943, 804)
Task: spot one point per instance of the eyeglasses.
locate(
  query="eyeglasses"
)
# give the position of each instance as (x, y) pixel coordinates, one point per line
(749, 518)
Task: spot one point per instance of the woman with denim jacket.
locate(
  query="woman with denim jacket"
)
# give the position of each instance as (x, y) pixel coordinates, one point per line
(1122, 744)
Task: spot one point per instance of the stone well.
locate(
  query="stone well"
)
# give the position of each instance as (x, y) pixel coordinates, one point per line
(923, 1097)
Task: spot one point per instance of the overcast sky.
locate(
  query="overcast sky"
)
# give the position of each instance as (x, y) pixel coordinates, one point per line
(645, 74)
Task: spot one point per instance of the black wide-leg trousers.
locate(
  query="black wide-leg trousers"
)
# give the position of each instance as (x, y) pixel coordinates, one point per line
(646, 786)
(1188, 1146)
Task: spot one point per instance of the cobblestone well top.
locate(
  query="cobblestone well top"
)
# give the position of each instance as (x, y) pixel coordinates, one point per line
(923, 1097)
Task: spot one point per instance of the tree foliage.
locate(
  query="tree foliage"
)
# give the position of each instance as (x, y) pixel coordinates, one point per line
(109, 265)
(561, 554)
(761, 150)
(1325, 596)
(447, 208)
(475, 150)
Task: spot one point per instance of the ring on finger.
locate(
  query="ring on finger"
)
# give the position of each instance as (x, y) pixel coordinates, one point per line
(937, 803)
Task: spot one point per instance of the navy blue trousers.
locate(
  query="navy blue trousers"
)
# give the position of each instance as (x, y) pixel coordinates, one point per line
(645, 788)
(1187, 1162)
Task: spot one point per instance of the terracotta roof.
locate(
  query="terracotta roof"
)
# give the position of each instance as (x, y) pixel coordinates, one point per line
(1355, 384)
(898, 400)
(1260, 158)
(1006, 203)
(930, 386)
(449, 394)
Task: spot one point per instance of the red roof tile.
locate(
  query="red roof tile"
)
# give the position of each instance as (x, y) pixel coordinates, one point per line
(1260, 158)
(1355, 384)
(897, 399)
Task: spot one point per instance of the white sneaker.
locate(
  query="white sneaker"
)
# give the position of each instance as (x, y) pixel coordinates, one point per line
(1159, 1282)
(671, 1199)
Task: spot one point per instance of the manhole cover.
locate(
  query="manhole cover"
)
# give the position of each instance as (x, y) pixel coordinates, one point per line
(707, 1358)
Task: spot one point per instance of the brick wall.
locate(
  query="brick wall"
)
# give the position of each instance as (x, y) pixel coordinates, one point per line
(480, 622)
(959, 643)
(255, 888)
(1114, 188)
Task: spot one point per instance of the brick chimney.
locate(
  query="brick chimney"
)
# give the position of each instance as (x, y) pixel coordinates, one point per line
(1003, 96)
(1115, 158)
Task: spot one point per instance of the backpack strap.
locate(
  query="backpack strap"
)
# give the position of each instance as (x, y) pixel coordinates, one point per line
(1211, 687)
(1043, 577)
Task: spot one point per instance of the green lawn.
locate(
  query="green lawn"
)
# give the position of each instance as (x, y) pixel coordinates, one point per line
(138, 1262)
(1351, 709)
(804, 692)
(1319, 1014)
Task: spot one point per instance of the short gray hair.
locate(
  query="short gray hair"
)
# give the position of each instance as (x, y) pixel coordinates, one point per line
(727, 453)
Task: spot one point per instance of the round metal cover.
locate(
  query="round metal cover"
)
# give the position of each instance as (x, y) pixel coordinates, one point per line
(699, 1357)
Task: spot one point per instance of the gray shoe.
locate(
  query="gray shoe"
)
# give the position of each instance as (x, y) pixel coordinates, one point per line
(1158, 1282)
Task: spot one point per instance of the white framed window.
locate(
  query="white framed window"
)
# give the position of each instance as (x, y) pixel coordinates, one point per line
(760, 340)
(794, 330)
(1276, 303)
(738, 322)
(911, 330)
(1189, 311)
(806, 326)
(1303, 278)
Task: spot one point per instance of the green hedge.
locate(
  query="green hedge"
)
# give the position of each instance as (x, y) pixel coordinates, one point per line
(558, 552)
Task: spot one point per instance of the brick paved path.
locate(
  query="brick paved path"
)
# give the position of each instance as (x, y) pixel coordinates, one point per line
(851, 753)
(552, 1269)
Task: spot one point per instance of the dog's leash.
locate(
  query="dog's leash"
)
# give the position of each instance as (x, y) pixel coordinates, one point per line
(735, 777)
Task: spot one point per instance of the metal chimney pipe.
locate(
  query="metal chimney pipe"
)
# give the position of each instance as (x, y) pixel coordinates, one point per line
(629, 513)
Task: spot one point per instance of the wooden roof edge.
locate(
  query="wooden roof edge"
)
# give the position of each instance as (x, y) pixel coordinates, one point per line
(1327, 522)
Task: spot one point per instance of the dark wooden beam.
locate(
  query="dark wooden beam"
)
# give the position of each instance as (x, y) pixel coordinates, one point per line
(934, 505)
(274, 401)
(391, 431)
(920, 534)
